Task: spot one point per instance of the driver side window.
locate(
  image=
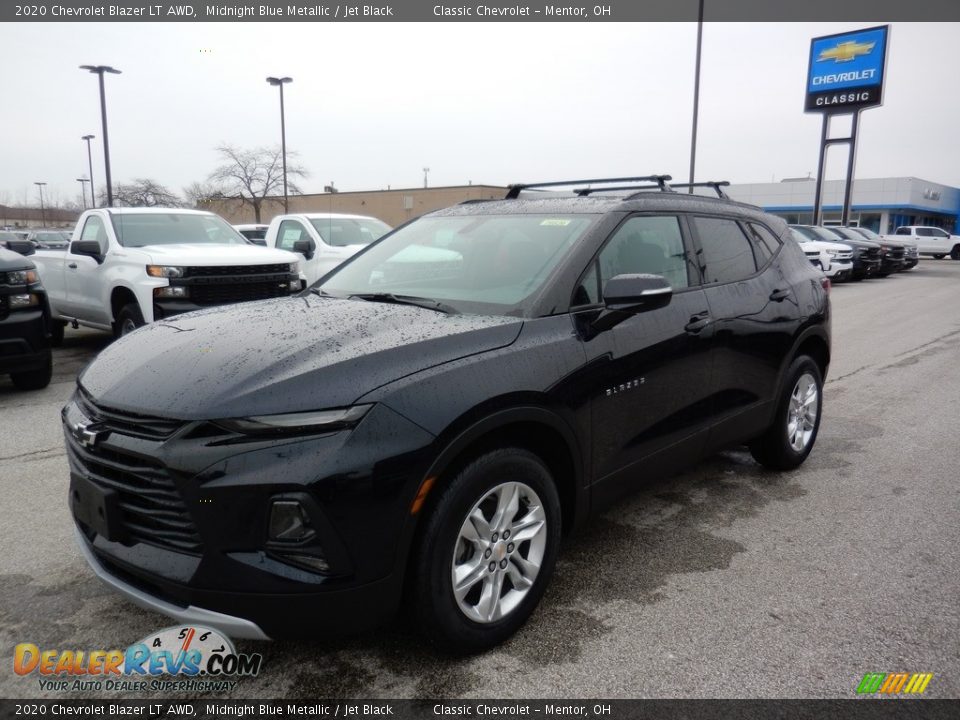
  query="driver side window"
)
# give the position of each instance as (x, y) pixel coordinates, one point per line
(289, 232)
(93, 230)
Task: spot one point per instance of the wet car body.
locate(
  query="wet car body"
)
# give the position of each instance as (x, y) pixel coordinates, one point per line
(187, 488)
(24, 323)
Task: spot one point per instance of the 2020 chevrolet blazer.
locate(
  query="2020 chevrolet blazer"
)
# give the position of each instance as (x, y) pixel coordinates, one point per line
(428, 420)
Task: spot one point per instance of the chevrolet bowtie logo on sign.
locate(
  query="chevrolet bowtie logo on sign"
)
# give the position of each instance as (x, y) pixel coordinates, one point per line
(846, 71)
(894, 683)
(846, 51)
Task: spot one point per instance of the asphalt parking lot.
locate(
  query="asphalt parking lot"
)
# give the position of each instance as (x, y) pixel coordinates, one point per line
(726, 581)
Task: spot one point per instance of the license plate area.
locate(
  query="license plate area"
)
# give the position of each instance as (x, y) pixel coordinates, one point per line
(96, 507)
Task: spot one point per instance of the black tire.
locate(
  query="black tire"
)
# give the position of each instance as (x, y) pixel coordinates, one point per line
(773, 449)
(34, 379)
(955, 253)
(939, 256)
(57, 328)
(434, 604)
(129, 319)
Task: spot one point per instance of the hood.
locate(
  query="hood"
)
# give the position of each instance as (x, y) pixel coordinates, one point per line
(285, 355)
(824, 245)
(9, 260)
(204, 254)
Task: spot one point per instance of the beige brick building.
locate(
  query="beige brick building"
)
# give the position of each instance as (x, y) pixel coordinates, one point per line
(394, 207)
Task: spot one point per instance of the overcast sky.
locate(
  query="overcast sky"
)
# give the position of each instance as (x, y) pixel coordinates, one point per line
(372, 104)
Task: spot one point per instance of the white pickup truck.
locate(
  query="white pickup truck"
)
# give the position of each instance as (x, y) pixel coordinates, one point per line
(129, 266)
(930, 240)
(323, 240)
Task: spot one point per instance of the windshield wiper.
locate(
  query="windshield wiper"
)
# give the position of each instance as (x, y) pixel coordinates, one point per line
(407, 300)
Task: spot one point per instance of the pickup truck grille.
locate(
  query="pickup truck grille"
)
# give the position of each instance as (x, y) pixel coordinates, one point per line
(4, 307)
(152, 510)
(895, 253)
(871, 253)
(844, 256)
(234, 270)
(221, 294)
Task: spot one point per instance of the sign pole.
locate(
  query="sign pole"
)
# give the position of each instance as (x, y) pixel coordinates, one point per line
(818, 193)
(851, 160)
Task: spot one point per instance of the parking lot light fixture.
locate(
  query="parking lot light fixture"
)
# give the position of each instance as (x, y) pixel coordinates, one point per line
(280, 82)
(83, 190)
(43, 213)
(93, 196)
(100, 70)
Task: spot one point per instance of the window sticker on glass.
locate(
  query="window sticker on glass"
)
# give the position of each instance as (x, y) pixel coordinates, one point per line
(555, 222)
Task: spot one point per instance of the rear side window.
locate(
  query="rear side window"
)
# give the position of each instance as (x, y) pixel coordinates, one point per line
(906, 231)
(727, 253)
(765, 243)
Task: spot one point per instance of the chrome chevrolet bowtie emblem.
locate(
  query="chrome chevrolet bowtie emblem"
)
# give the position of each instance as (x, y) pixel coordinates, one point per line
(85, 435)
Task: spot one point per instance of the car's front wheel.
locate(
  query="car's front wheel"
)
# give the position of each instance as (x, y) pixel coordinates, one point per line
(790, 438)
(34, 379)
(487, 551)
(955, 253)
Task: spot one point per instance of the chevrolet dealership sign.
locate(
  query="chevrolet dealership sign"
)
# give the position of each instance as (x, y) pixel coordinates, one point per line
(846, 70)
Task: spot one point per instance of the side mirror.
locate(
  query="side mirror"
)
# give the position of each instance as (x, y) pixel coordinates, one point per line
(24, 247)
(90, 248)
(305, 248)
(626, 295)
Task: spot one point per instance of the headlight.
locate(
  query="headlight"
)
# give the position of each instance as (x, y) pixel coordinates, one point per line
(295, 267)
(304, 423)
(26, 300)
(21, 277)
(172, 291)
(164, 271)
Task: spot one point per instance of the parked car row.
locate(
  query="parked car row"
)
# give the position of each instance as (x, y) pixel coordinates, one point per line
(856, 253)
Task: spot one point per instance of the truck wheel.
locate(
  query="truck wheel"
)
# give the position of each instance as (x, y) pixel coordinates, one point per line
(955, 253)
(938, 256)
(790, 438)
(34, 379)
(57, 328)
(487, 551)
(129, 319)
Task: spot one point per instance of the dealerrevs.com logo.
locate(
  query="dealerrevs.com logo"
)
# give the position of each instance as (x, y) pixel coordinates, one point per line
(894, 683)
(198, 658)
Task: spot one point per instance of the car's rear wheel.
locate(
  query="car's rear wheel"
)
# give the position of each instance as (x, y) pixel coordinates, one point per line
(487, 551)
(790, 438)
(955, 253)
(129, 319)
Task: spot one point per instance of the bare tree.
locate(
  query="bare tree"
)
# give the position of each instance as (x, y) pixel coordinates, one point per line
(141, 192)
(252, 175)
(198, 193)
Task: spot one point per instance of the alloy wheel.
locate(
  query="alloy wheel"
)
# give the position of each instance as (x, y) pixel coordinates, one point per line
(802, 412)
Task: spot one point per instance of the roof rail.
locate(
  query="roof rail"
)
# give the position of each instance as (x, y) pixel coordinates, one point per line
(716, 185)
(661, 180)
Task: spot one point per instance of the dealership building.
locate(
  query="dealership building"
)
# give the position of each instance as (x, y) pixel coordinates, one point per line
(881, 204)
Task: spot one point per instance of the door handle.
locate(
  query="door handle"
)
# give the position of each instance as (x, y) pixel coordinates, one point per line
(779, 295)
(697, 322)
(72, 266)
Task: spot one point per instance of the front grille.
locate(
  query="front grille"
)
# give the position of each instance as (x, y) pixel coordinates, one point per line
(896, 253)
(233, 270)
(142, 426)
(844, 256)
(872, 253)
(4, 307)
(152, 510)
(216, 294)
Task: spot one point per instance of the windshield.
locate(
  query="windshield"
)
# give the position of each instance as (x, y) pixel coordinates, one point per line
(868, 234)
(349, 231)
(141, 229)
(481, 264)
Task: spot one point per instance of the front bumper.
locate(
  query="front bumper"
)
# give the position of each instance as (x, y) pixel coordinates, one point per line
(24, 341)
(187, 511)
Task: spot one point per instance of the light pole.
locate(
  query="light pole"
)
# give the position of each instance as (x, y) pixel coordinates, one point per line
(93, 197)
(280, 82)
(43, 212)
(425, 171)
(100, 70)
(83, 190)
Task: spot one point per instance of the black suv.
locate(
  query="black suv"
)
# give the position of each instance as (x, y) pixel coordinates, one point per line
(24, 320)
(429, 419)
